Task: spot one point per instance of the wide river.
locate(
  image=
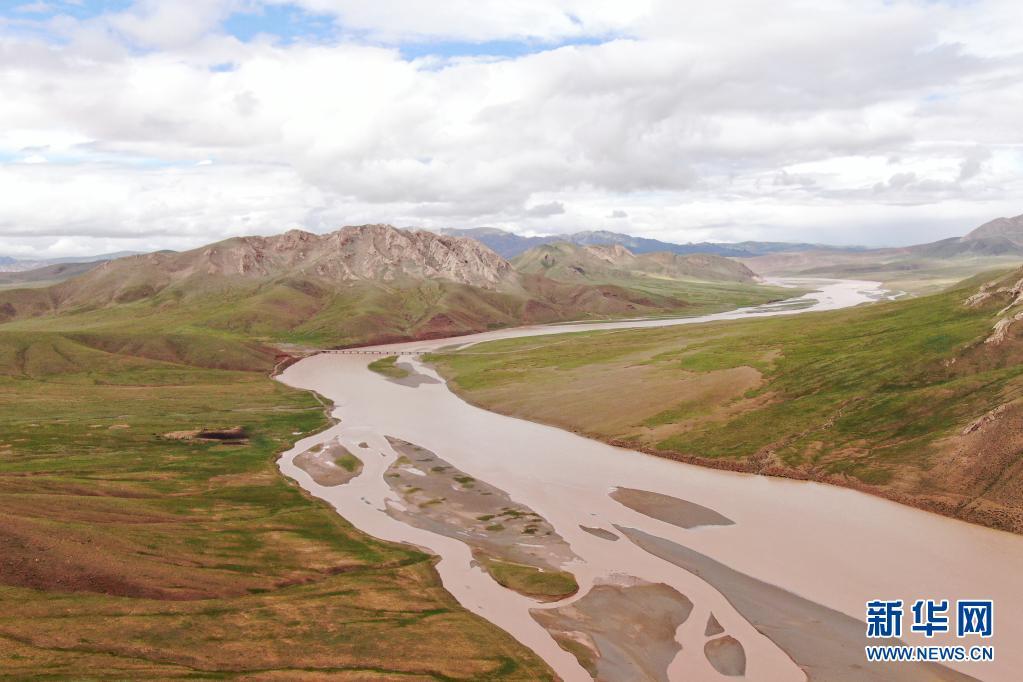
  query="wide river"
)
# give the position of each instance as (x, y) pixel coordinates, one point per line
(835, 547)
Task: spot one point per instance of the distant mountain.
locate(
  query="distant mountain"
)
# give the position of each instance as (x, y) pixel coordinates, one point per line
(9, 264)
(603, 263)
(644, 245)
(47, 274)
(918, 268)
(510, 245)
(998, 237)
(956, 247)
(503, 243)
(1010, 229)
(369, 283)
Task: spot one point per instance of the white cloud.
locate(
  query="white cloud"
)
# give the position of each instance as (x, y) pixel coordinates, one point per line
(546, 210)
(482, 20)
(744, 120)
(168, 24)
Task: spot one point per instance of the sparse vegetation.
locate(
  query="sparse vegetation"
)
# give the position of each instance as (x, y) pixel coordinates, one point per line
(388, 368)
(348, 462)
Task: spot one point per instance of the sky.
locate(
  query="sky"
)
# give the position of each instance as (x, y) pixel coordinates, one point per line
(147, 124)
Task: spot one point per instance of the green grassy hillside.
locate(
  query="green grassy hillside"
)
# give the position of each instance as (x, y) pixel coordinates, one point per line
(880, 397)
(342, 314)
(127, 554)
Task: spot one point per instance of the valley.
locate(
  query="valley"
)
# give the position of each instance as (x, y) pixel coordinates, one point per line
(496, 524)
(536, 341)
(138, 402)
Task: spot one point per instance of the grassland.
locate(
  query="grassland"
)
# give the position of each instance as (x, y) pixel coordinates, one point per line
(327, 314)
(875, 397)
(388, 368)
(125, 554)
(530, 580)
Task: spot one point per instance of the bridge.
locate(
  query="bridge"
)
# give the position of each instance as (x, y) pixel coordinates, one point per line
(362, 351)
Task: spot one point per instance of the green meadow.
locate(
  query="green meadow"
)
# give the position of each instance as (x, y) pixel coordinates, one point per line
(126, 553)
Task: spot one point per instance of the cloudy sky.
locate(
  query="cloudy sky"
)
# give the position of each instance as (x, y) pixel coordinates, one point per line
(170, 123)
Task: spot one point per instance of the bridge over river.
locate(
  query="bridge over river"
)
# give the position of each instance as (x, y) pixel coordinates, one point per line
(367, 351)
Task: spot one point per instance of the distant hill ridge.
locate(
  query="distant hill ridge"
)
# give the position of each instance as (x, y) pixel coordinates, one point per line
(919, 268)
(509, 245)
(11, 264)
(573, 262)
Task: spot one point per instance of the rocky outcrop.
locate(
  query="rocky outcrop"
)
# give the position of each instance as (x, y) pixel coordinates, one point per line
(1002, 328)
(1007, 292)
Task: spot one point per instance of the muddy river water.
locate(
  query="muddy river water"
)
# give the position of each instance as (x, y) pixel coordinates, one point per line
(796, 560)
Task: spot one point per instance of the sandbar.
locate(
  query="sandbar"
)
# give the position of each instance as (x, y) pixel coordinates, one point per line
(827, 644)
(518, 547)
(330, 464)
(621, 633)
(669, 509)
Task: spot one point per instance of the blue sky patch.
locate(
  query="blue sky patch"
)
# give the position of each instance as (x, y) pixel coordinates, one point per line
(45, 9)
(494, 48)
(287, 23)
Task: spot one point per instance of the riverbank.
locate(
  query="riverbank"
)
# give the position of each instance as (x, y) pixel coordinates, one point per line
(871, 399)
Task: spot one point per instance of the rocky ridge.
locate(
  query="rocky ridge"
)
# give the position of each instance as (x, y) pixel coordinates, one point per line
(365, 252)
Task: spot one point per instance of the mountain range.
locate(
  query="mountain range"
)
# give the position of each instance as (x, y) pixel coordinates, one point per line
(375, 283)
(509, 245)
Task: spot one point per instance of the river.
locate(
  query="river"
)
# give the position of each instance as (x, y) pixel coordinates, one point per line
(835, 548)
